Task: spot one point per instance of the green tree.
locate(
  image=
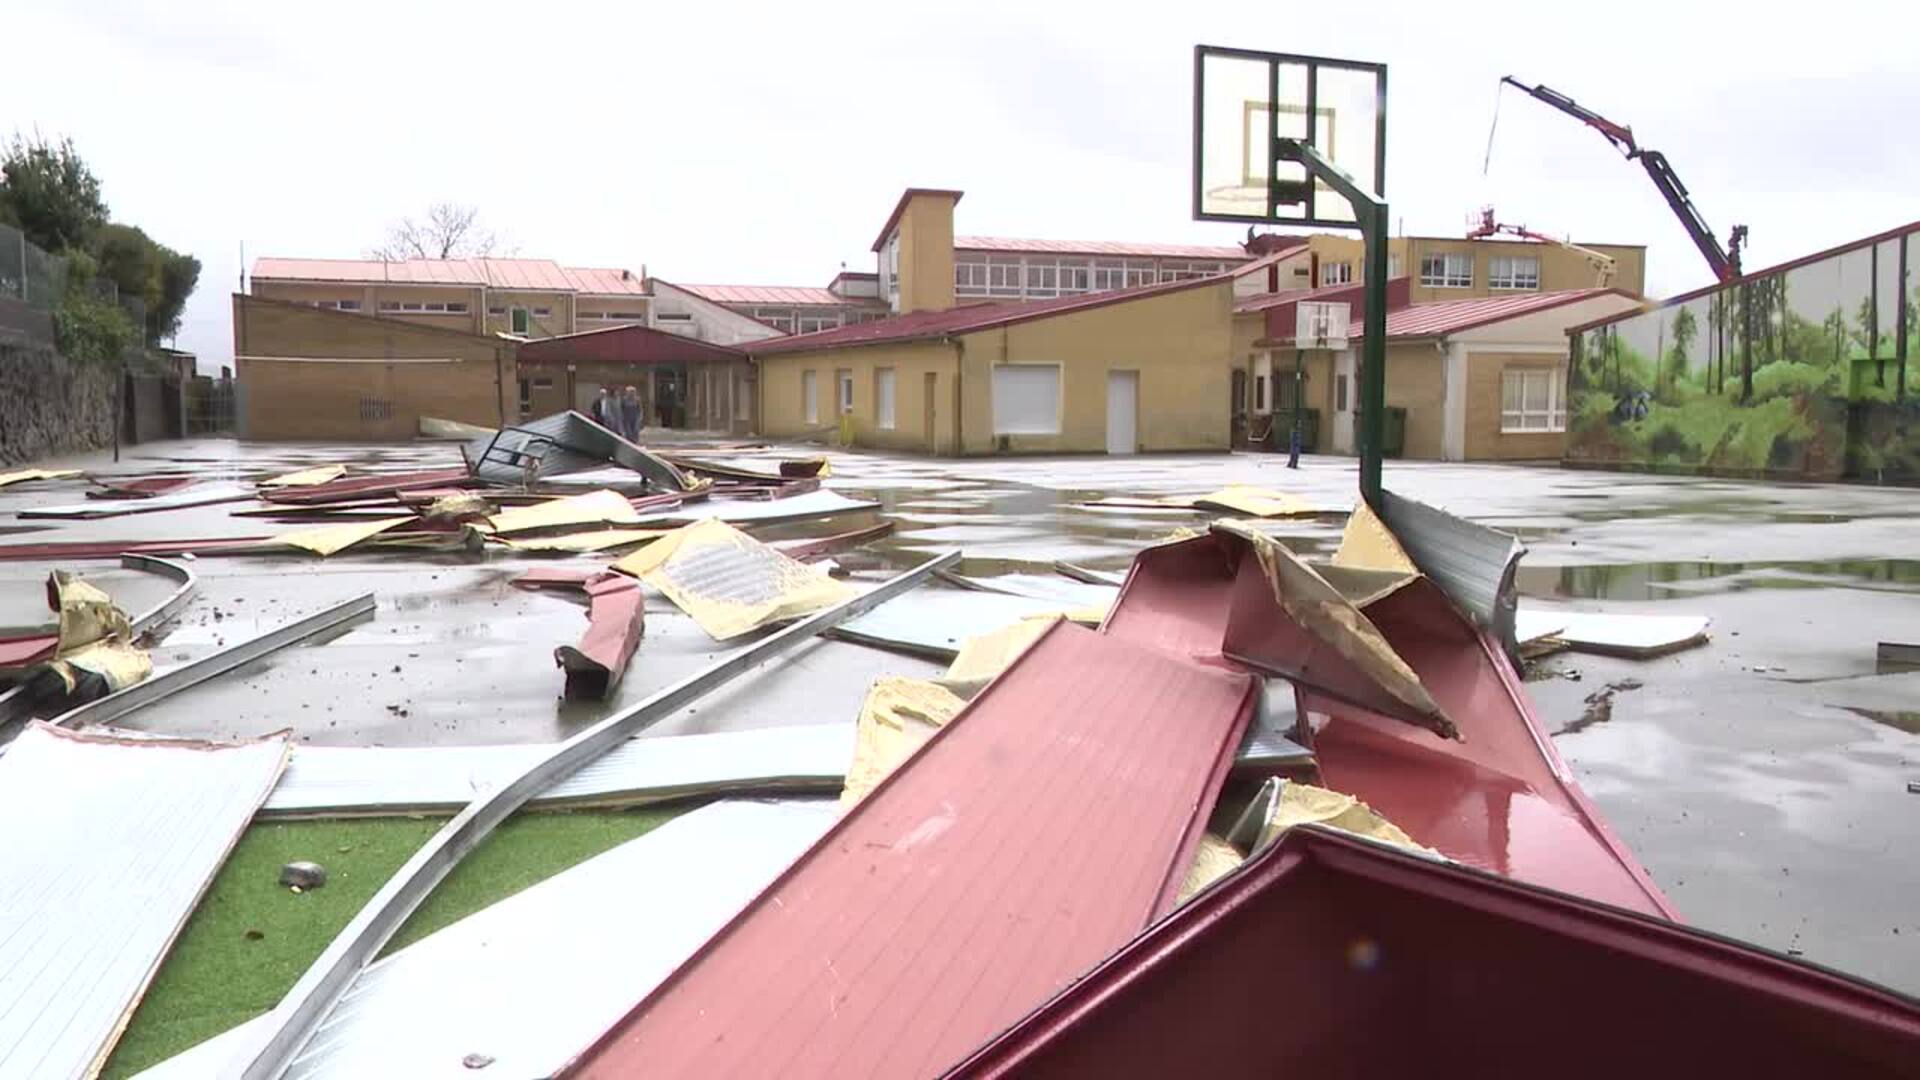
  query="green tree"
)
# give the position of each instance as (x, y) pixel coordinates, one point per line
(1836, 327)
(160, 277)
(1868, 335)
(1685, 329)
(48, 192)
(179, 276)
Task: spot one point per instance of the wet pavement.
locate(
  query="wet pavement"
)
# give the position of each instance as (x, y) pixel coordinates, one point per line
(1760, 778)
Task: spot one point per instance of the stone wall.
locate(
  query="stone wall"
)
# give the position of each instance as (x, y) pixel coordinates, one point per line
(50, 405)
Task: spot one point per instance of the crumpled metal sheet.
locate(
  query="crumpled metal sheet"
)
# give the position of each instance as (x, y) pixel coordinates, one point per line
(367, 780)
(326, 540)
(616, 617)
(812, 505)
(110, 841)
(532, 979)
(605, 508)
(1473, 564)
(306, 477)
(935, 623)
(729, 582)
(566, 442)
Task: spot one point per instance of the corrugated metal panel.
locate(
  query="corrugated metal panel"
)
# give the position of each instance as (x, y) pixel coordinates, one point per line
(1044, 826)
(108, 844)
(603, 281)
(562, 443)
(1452, 316)
(769, 294)
(536, 275)
(935, 622)
(530, 980)
(1473, 564)
(407, 272)
(364, 780)
(990, 244)
(1313, 959)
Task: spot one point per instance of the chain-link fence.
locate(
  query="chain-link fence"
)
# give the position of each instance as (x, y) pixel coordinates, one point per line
(28, 274)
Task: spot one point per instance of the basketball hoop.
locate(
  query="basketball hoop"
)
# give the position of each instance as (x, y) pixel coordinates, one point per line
(1321, 324)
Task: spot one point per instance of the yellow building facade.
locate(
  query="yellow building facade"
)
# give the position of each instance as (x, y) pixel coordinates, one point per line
(1133, 371)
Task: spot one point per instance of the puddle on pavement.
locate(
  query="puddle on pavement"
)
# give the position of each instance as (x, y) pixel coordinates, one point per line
(1661, 581)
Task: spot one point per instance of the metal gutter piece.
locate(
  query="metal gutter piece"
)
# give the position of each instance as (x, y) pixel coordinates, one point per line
(814, 504)
(530, 980)
(344, 781)
(821, 546)
(361, 487)
(307, 1004)
(1088, 575)
(1473, 564)
(60, 550)
(1518, 979)
(171, 606)
(86, 511)
(1049, 822)
(168, 683)
(935, 623)
(111, 842)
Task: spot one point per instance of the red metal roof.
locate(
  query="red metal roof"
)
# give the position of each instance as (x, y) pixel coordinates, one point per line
(1282, 310)
(1119, 248)
(901, 208)
(1042, 828)
(966, 318)
(1388, 963)
(536, 275)
(1453, 316)
(776, 294)
(1498, 798)
(622, 345)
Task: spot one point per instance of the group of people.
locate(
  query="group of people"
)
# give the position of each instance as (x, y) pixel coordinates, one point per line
(620, 415)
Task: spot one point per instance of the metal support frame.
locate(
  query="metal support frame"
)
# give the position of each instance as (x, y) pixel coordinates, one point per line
(1370, 213)
(300, 1013)
(141, 694)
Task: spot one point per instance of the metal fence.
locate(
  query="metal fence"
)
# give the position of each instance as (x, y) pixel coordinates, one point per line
(29, 274)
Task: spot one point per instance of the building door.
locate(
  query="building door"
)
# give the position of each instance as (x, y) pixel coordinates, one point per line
(1345, 393)
(1123, 410)
(929, 403)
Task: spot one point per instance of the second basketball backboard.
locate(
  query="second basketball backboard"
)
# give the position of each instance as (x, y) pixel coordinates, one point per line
(1244, 101)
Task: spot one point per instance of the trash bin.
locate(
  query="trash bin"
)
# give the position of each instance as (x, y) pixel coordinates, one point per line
(1393, 433)
(1283, 430)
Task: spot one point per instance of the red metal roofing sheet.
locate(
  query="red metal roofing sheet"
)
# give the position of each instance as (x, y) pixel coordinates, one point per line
(1038, 831)
(1453, 316)
(410, 272)
(1499, 798)
(622, 345)
(966, 318)
(1328, 956)
(1120, 248)
(537, 275)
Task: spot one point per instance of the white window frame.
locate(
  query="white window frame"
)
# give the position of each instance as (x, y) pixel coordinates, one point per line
(810, 395)
(1515, 273)
(843, 391)
(542, 312)
(1141, 273)
(1109, 274)
(1021, 418)
(970, 277)
(806, 323)
(1075, 277)
(1393, 265)
(1336, 273)
(890, 268)
(885, 388)
(1447, 270)
(1006, 277)
(498, 312)
(519, 320)
(1546, 413)
(1042, 278)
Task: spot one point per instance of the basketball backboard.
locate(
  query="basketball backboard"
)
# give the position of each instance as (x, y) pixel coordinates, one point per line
(1245, 100)
(1321, 324)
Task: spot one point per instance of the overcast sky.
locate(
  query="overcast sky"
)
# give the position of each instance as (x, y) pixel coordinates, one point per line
(765, 143)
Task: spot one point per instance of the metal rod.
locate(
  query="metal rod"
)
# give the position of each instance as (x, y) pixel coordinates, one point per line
(141, 694)
(170, 607)
(301, 1012)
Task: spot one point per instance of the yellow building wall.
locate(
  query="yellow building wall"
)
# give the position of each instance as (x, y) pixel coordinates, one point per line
(1179, 342)
(1416, 382)
(1559, 268)
(1484, 440)
(288, 391)
(916, 365)
(926, 253)
(558, 320)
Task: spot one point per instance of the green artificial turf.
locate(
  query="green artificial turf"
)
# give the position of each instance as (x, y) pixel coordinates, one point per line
(251, 938)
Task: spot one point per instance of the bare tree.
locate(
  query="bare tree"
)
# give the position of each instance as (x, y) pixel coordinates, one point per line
(449, 231)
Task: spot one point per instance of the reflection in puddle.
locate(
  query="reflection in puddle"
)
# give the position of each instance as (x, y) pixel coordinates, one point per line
(1908, 722)
(1659, 581)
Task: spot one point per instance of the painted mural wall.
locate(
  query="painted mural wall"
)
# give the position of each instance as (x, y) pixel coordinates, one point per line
(1799, 373)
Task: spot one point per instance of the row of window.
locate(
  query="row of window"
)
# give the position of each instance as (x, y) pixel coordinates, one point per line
(1533, 399)
(425, 307)
(335, 305)
(1026, 398)
(1042, 276)
(1454, 270)
(614, 316)
(802, 321)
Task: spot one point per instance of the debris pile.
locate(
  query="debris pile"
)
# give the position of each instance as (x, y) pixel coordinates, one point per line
(1071, 811)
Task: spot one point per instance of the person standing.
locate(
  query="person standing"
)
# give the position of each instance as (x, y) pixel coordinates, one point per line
(630, 414)
(604, 410)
